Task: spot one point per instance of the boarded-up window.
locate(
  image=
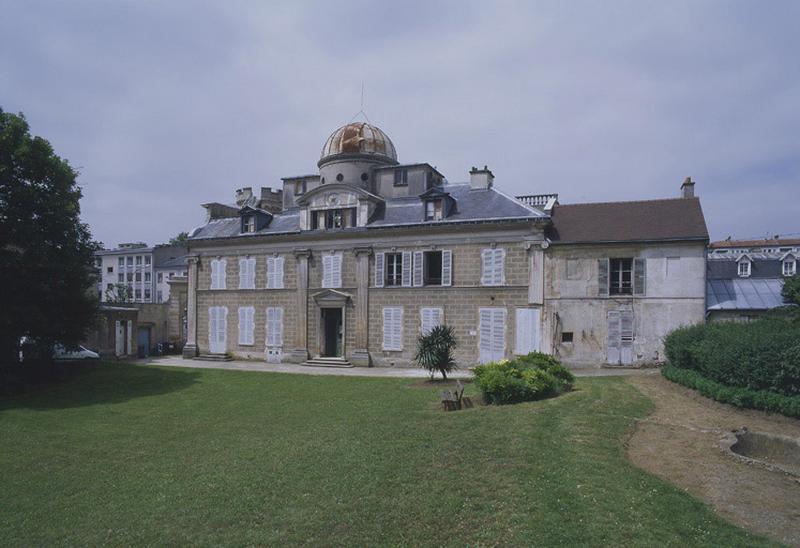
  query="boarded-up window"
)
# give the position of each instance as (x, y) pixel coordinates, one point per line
(246, 325)
(672, 267)
(430, 318)
(218, 267)
(493, 266)
(247, 273)
(275, 272)
(573, 269)
(491, 334)
(393, 328)
(527, 330)
(332, 270)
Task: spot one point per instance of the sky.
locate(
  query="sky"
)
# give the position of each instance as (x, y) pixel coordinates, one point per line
(163, 106)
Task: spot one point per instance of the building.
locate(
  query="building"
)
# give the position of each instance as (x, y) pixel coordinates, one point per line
(745, 277)
(352, 264)
(143, 270)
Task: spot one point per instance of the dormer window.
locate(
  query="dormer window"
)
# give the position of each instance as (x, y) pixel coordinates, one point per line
(248, 224)
(789, 266)
(433, 210)
(401, 177)
(744, 269)
(333, 218)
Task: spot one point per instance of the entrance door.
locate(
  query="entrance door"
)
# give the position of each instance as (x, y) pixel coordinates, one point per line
(217, 329)
(332, 332)
(620, 336)
(143, 341)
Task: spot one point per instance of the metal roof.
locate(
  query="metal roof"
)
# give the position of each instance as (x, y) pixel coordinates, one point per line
(744, 294)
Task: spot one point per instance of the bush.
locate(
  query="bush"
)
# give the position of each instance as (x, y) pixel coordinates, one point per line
(740, 397)
(758, 355)
(527, 378)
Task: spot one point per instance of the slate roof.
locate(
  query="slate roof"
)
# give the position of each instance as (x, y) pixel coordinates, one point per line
(471, 206)
(643, 221)
(173, 262)
(744, 294)
(728, 268)
(779, 242)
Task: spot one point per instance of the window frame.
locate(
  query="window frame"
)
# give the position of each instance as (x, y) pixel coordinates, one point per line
(789, 267)
(617, 287)
(744, 269)
(393, 262)
(401, 177)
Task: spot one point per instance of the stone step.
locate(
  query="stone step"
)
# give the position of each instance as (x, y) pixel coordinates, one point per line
(214, 358)
(328, 362)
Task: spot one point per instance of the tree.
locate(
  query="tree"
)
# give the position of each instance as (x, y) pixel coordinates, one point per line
(47, 277)
(435, 350)
(791, 290)
(180, 239)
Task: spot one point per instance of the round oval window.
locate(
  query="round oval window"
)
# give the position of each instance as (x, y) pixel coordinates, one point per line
(364, 177)
(340, 177)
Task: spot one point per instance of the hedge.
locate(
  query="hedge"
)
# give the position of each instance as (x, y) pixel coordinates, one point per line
(740, 397)
(762, 355)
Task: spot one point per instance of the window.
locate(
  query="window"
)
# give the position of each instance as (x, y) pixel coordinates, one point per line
(429, 318)
(364, 177)
(493, 266)
(789, 267)
(274, 339)
(527, 331)
(393, 328)
(218, 273)
(138, 260)
(247, 273)
(120, 277)
(159, 296)
(121, 262)
(339, 177)
(130, 276)
(566, 337)
(274, 272)
(147, 294)
(573, 269)
(147, 260)
(246, 325)
(744, 268)
(394, 269)
(248, 224)
(184, 274)
(109, 287)
(333, 218)
(138, 294)
(433, 268)
(129, 261)
(160, 277)
(430, 181)
(401, 177)
(110, 270)
(217, 329)
(300, 188)
(332, 270)
(138, 277)
(491, 334)
(147, 276)
(621, 278)
(433, 210)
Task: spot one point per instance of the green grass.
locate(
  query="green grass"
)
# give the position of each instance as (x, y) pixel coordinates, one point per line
(132, 455)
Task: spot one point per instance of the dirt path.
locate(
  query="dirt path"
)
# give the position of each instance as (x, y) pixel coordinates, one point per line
(679, 442)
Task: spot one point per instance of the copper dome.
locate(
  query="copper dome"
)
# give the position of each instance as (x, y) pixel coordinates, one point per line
(359, 138)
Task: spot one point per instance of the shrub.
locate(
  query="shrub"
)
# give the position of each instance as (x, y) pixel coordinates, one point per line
(435, 350)
(740, 397)
(531, 377)
(759, 355)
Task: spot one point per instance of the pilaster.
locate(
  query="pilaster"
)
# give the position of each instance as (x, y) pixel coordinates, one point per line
(299, 353)
(190, 348)
(360, 355)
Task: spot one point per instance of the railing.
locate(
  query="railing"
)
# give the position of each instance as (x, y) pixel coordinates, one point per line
(537, 200)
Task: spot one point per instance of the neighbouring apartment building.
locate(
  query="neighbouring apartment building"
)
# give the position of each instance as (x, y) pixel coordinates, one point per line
(351, 264)
(143, 270)
(745, 277)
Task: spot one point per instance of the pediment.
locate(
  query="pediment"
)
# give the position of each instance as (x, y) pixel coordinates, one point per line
(331, 297)
(333, 195)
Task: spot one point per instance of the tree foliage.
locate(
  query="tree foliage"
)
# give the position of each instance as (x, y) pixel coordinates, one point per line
(118, 294)
(791, 290)
(180, 239)
(435, 350)
(47, 277)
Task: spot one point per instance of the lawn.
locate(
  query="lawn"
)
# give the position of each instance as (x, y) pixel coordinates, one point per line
(125, 455)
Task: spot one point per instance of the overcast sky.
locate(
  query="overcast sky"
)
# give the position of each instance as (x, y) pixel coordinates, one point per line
(163, 106)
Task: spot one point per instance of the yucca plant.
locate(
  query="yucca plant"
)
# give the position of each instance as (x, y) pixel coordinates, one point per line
(435, 350)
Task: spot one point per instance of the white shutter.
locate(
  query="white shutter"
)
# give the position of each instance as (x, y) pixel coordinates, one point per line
(447, 267)
(379, 267)
(614, 337)
(278, 337)
(418, 259)
(217, 329)
(500, 266)
(626, 336)
(430, 318)
(493, 266)
(271, 272)
(222, 273)
(270, 340)
(407, 268)
(247, 273)
(492, 334)
(393, 328)
(527, 331)
(499, 334)
(242, 325)
(337, 270)
(327, 261)
(212, 323)
(279, 270)
(214, 274)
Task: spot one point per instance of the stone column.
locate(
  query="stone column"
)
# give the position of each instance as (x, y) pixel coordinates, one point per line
(190, 348)
(360, 355)
(299, 353)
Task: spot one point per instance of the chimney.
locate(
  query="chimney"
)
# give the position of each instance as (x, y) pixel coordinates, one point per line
(480, 179)
(271, 199)
(687, 188)
(244, 196)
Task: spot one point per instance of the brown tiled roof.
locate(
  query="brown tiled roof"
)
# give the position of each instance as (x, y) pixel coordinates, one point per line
(756, 243)
(651, 220)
